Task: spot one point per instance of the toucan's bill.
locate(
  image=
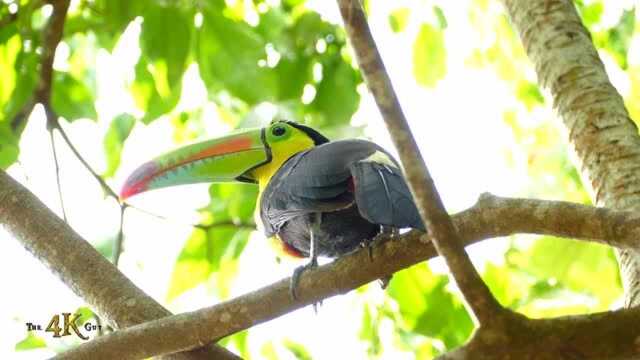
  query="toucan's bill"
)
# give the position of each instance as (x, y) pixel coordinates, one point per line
(229, 158)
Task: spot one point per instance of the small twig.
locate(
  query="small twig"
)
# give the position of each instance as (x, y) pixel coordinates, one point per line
(432, 211)
(246, 226)
(99, 179)
(57, 165)
(117, 244)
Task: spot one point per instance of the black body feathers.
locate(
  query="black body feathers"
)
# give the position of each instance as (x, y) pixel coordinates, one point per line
(354, 184)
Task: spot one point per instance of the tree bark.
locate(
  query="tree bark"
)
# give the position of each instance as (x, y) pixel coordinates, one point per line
(600, 130)
(489, 218)
(111, 294)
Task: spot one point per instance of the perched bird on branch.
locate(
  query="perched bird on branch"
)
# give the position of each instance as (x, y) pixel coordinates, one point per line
(318, 197)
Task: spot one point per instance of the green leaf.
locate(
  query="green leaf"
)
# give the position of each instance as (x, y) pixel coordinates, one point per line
(506, 285)
(617, 39)
(241, 342)
(10, 93)
(429, 56)
(72, 99)
(232, 57)
(268, 351)
(9, 51)
(337, 98)
(369, 331)
(428, 308)
(171, 48)
(273, 27)
(298, 350)
(207, 252)
(9, 149)
(308, 29)
(192, 267)
(30, 342)
(105, 247)
(158, 82)
(85, 314)
(294, 74)
(530, 95)
(591, 269)
(399, 18)
(114, 17)
(114, 139)
(231, 203)
(591, 13)
(442, 20)
(151, 90)
(25, 68)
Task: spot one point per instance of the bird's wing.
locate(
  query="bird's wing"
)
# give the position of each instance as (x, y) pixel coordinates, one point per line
(332, 176)
(382, 194)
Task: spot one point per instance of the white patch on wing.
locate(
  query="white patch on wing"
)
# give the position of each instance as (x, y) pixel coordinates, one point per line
(381, 158)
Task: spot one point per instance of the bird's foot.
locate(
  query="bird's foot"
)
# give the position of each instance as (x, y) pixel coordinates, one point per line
(384, 281)
(386, 233)
(295, 278)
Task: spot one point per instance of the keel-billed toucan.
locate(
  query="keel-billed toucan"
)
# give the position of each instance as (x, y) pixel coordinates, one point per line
(320, 198)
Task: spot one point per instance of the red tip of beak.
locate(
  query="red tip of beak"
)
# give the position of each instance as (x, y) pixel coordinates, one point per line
(128, 191)
(138, 180)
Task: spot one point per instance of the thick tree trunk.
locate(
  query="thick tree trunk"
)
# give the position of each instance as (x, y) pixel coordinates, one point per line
(600, 130)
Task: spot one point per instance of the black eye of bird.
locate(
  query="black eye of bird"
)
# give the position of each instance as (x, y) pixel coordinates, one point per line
(278, 130)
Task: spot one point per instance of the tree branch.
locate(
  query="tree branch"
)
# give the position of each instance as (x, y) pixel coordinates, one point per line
(490, 217)
(66, 254)
(52, 35)
(432, 211)
(608, 335)
(603, 135)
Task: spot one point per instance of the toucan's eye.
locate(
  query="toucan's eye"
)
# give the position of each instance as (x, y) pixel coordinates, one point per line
(278, 130)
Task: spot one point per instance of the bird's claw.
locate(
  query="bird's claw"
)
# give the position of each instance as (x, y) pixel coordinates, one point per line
(386, 233)
(384, 281)
(295, 278)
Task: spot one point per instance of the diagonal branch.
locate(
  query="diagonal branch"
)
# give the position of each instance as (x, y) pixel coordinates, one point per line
(490, 217)
(101, 285)
(52, 35)
(432, 211)
(105, 187)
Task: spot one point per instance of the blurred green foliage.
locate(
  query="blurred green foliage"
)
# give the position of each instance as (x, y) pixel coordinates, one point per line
(429, 55)
(251, 53)
(30, 342)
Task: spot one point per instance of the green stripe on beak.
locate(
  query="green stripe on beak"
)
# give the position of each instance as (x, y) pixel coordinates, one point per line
(225, 159)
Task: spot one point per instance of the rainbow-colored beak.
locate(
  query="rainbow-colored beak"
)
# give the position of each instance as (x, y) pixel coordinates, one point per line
(229, 158)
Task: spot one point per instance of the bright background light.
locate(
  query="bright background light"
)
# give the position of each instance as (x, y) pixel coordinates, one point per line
(459, 125)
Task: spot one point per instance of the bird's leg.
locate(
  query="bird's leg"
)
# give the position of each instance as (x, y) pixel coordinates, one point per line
(313, 254)
(386, 233)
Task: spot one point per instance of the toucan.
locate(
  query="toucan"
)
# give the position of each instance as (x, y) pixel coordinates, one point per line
(318, 197)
